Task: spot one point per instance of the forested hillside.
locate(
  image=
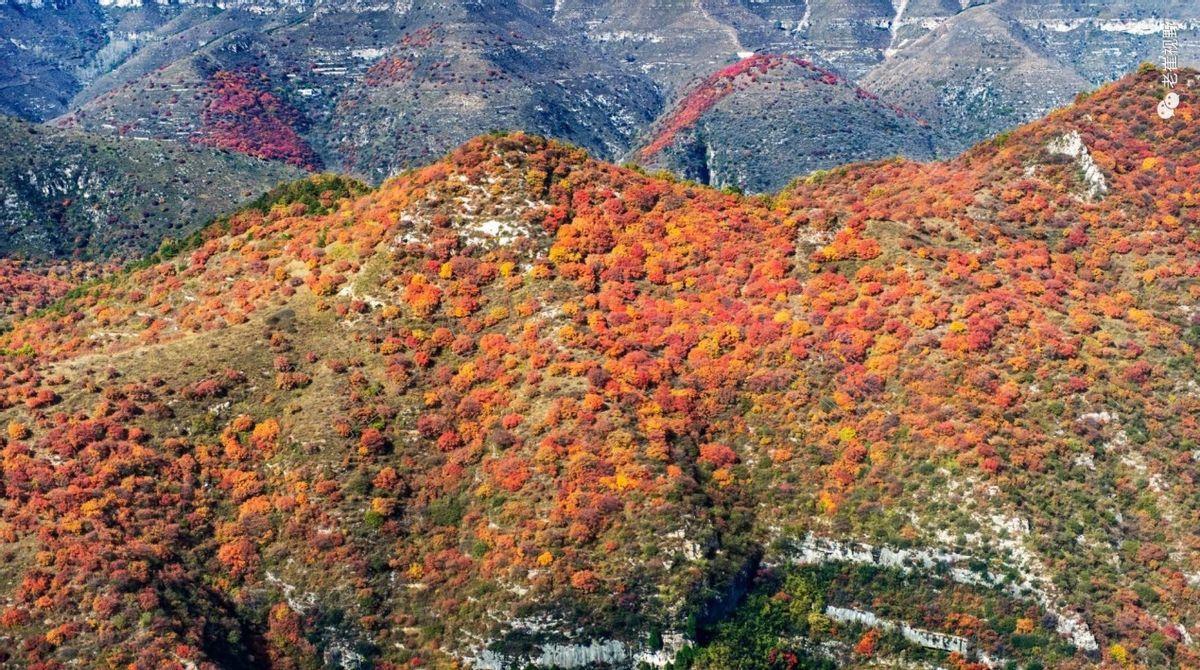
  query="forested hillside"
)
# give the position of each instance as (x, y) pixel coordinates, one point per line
(521, 406)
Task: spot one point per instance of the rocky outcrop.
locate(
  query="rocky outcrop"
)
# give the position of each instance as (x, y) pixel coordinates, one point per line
(919, 636)
(602, 652)
(561, 647)
(1072, 145)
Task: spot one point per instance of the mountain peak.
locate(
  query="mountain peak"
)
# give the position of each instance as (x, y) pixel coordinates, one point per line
(739, 111)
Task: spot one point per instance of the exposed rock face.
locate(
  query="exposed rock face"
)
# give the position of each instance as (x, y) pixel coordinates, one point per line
(1072, 145)
(925, 638)
(591, 653)
(815, 551)
(676, 42)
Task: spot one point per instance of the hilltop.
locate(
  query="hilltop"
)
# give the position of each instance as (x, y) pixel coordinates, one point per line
(521, 406)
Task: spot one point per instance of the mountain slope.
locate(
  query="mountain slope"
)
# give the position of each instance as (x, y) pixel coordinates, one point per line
(41, 51)
(990, 67)
(758, 123)
(451, 80)
(976, 72)
(69, 194)
(27, 286)
(521, 406)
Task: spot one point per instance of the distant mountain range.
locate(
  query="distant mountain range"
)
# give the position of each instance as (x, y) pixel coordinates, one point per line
(375, 87)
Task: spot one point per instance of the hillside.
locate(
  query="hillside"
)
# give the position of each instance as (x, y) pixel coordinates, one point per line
(758, 123)
(977, 72)
(28, 286)
(66, 194)
(524, 407)
(41, 51)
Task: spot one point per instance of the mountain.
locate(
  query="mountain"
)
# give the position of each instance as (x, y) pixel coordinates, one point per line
(976, 71)
(374, 87)
(460, 76)
(758, 123)
(65, 193)
(523, 407)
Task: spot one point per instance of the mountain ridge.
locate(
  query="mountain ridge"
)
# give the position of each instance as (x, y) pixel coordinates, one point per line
(729, 130)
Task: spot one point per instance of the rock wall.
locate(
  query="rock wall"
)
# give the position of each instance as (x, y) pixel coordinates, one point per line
(605, 652)
(919, 636)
